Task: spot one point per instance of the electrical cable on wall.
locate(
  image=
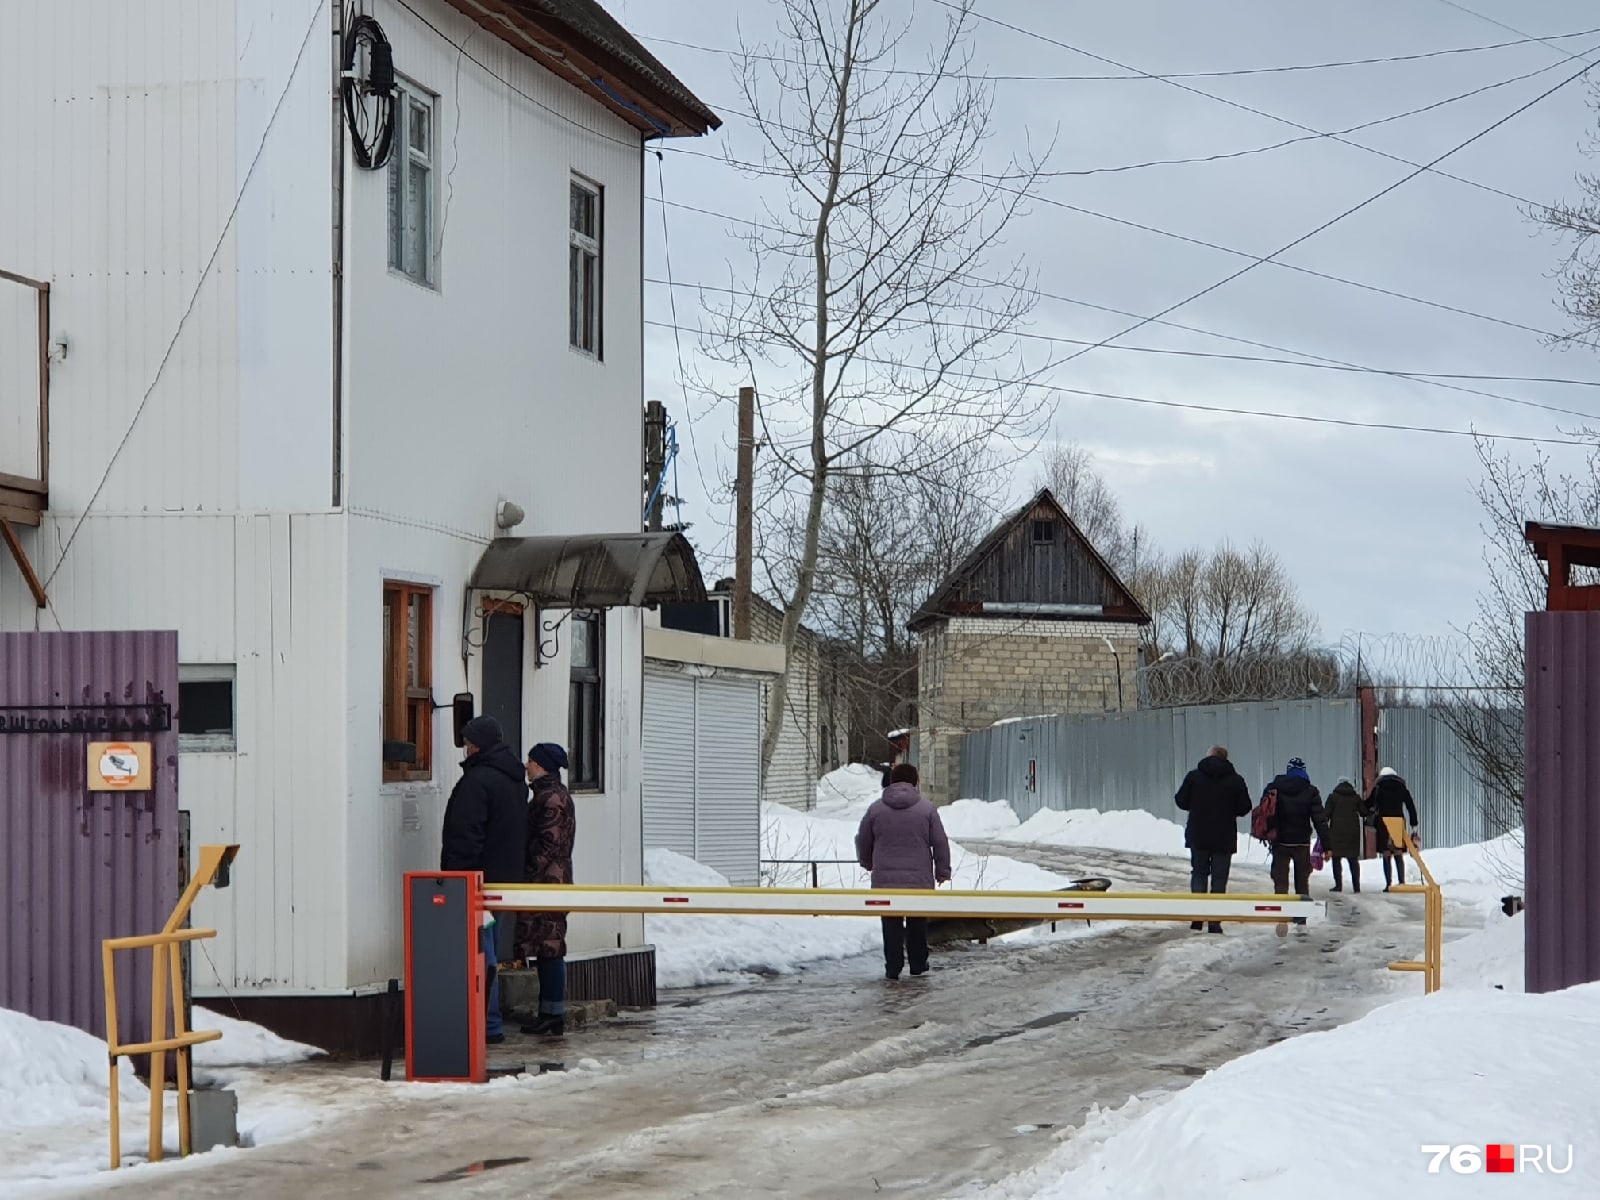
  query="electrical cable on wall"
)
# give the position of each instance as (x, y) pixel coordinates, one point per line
(369, 102)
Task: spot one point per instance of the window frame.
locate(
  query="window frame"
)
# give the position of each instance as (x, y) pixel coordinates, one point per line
(1047, 529)
(400, 163)
(210, 743)
(404, 702)
(583, 776)
(593, 247)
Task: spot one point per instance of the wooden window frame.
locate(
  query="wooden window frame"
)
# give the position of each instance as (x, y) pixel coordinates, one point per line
(1047, 528)
(586, 328)
(404, 157)
(405, 703)
(594, 677)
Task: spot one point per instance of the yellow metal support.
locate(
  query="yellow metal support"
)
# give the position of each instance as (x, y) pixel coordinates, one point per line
(166, 970)
(1432, 964)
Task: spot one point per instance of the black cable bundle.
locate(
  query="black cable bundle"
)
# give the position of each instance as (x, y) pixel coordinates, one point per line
(372, 139)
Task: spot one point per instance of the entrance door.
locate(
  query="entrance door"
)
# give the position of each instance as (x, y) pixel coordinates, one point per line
(502, 674)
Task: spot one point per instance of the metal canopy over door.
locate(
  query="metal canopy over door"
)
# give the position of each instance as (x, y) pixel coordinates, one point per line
(727, 772)
(669, 757)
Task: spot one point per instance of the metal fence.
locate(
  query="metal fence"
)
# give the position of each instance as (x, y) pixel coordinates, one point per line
(1135, 760)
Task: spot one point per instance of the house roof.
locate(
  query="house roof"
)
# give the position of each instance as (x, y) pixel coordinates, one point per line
(948, 601)
(585, 45)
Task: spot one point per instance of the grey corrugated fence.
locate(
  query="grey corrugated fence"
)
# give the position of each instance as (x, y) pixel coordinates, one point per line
(1135, 760)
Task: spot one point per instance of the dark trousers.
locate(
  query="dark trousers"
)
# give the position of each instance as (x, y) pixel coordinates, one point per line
(903, 936)
(1208, 870)
(1299, 857)
(552, 986)
(1355, 873)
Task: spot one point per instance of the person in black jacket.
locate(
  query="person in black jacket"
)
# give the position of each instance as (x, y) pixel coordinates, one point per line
(1299, 810)
(486, 829)
(1392, 798)
(1215, 797)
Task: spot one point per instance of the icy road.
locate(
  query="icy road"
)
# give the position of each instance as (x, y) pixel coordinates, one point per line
(835, 1083)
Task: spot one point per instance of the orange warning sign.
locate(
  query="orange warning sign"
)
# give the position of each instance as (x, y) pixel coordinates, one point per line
(119, 766)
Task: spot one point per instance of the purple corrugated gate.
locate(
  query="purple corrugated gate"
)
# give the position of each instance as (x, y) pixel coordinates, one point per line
(1560, 797)
(79, 866)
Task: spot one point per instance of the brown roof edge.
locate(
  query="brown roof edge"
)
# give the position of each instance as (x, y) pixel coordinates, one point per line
(588, 48)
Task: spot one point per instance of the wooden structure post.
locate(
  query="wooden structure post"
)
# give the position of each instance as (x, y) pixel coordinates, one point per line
(744, 514)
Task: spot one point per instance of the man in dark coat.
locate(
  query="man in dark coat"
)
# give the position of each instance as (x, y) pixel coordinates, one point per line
(1215, 797)
(1300, 811)
(485, 826)
(552, 832)
(902, 842)
(1392, 798)
(1347, 813)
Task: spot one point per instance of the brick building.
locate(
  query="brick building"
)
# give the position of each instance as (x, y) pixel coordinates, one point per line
(1033, 622)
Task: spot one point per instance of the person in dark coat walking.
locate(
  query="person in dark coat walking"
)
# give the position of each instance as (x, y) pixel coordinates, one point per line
(1347, 813)
(1300, 811)
(485, 824)
(1215, 797)
(1392, 798)
(902, 842)
(542, 936)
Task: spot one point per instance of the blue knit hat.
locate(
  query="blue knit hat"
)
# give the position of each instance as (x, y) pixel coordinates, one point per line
(549, 756)
(1297, 768)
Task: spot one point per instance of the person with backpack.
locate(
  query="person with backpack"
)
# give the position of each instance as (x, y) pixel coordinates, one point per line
(1392, 798)
(1289, 810)
(1347, 813)
(1215, 797)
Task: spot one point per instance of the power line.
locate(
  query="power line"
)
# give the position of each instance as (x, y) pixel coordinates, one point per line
(979, 281)
(1409, 376)
(1523, 40)
(1227, 410)
(1242, 107)
(194, 296)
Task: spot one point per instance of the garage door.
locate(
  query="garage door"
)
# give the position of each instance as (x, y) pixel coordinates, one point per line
(669, 759)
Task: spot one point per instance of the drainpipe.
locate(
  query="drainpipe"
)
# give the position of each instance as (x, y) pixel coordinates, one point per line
(338, 257)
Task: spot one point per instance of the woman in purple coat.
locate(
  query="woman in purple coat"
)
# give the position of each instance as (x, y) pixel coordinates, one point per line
(902, 842)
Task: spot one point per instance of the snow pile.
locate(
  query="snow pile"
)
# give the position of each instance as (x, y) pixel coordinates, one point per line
(1467, 1068)
(1134, 831)
(849, 791)
(692, 951)
(244, 1044)
(981, 819)
(52, 1074)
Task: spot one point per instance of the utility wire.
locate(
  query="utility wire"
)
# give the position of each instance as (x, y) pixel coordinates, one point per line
(194, 296)
(1523, 40)
(1227, 410)
(1242, 107)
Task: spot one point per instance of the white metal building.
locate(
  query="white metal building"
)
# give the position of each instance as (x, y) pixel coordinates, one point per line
(289, 396)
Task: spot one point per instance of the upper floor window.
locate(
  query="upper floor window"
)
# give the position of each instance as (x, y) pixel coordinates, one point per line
(1044, 533)
(411, 186)
(585, 217)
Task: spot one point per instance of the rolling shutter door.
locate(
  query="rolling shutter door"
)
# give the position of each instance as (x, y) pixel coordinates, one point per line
(727, 770)
(669, 762)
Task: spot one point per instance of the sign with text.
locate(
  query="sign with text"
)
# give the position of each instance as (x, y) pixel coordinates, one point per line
(119, 766)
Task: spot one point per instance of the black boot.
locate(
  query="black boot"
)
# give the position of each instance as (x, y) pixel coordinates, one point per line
(1388, 873)
(1197, 926)
(1214, 927)
(1400, 868)
(1355, 876)
(548, 1025)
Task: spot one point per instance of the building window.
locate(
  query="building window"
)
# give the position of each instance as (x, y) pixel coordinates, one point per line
(1044, 533)
(206, 720)
(407, 682)
(587, 711)
(585, 215)
(411, 189)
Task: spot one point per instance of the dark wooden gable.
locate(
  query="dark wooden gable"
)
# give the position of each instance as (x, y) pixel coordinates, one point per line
(1037, 556)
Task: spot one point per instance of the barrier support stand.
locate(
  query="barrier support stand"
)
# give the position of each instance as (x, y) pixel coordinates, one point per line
(1432, 965)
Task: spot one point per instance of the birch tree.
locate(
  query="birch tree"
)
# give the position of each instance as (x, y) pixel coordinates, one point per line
(881, 300)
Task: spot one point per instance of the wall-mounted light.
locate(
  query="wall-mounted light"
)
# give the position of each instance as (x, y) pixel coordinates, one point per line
(58, 349)
(508, 515)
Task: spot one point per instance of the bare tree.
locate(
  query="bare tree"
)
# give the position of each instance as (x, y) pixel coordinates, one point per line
(862, 318)
(1069, 471)
(1578, 275)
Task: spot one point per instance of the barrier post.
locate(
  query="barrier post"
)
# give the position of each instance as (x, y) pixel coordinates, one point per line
(444, 966)
(1432, 965)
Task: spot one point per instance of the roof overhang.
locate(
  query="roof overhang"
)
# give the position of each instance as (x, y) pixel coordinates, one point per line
(597, 570)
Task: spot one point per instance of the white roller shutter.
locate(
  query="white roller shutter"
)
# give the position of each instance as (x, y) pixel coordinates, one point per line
(727, 776)
(669, 761)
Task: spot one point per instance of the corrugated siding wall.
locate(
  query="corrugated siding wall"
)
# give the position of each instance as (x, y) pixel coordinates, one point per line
(1562, 825)
(792, 777)
(1135, 760)
(1421, 746)
(81, 866)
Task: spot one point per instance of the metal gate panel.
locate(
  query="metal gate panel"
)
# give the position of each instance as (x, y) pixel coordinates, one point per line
(669, 761)
(78, 866)
(727, 775)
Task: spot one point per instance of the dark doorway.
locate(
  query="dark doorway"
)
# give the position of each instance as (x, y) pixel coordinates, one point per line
(502, 673)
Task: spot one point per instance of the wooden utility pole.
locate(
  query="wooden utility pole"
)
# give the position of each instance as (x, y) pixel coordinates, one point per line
(655, 462)
(744, 505)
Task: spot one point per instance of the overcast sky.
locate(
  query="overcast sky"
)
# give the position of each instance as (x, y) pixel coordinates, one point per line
(1379, 527)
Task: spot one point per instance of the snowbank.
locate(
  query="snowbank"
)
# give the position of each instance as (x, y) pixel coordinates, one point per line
(53, 1074)
(984, 819)
(849, 791)
(244, 1044)
(1135, 831)
(1303, 1118)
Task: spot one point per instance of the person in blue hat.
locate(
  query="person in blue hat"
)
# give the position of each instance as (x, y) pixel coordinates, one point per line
(542, 936)
(1300, 810)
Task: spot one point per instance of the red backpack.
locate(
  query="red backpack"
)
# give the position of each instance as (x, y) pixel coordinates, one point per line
(1264, 817)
